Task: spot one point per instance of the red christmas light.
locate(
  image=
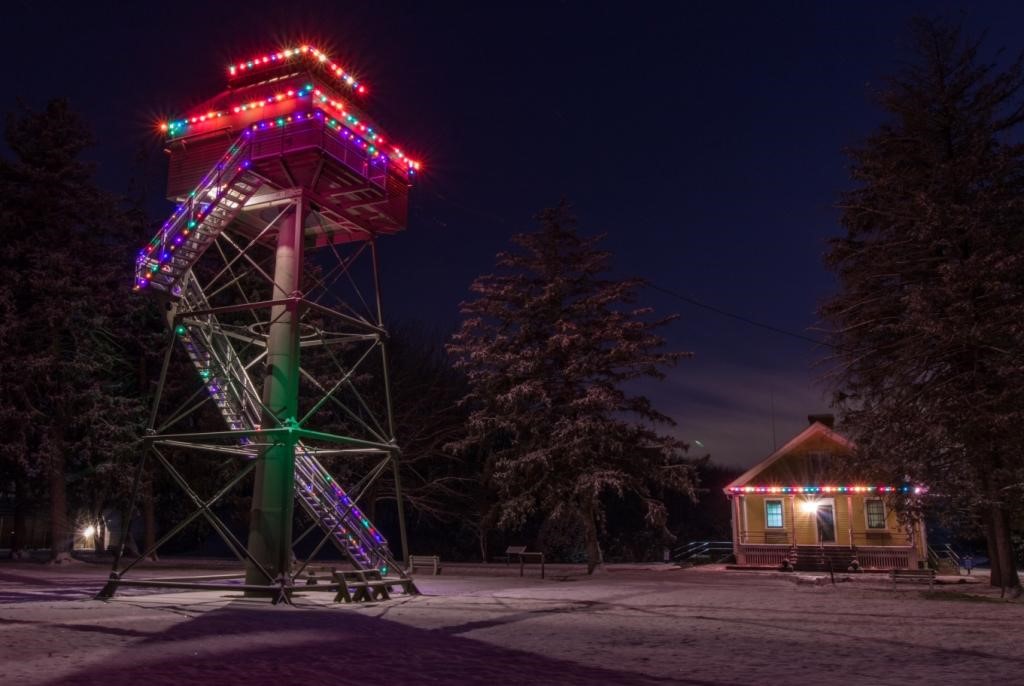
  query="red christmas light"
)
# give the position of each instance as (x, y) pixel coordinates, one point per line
(844, 489)
(304, 51)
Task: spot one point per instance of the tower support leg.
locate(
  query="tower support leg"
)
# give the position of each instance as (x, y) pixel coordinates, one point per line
(395, 456)
(270, 524)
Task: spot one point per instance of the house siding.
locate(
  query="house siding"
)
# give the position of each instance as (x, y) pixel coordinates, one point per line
(816, 459)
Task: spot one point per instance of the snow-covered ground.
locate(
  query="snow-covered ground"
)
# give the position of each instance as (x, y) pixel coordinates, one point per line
(628, 626)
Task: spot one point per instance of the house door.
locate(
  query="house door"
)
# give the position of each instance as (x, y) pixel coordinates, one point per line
(826, 516)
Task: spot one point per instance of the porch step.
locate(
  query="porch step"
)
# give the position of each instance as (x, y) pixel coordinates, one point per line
(812, 558)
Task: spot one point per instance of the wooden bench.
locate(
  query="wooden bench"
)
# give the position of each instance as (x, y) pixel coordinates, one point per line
(510, 552)
(913, 576)
(520, 553)
(360, 585)
(433, 561)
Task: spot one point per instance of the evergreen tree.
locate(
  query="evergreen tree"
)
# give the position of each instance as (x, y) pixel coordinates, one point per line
(71, 409)
(929, 345)
(549, 346)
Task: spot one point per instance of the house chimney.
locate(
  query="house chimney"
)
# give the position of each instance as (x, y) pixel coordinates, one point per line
(828, 420)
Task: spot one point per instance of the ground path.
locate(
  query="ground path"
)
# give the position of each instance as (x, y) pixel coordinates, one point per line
(633, 626)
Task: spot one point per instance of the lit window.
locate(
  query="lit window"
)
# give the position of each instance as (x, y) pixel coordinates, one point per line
(773, 514)
(876, 513)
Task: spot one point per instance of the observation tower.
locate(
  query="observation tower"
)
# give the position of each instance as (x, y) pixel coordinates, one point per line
(268, 269)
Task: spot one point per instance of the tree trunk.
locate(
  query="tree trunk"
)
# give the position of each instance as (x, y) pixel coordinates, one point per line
(99, 541)
(595, 559)
(1002, 546)
(481, 539)
(148, 518)
(995, 569)
(60, 533)
(19, 540)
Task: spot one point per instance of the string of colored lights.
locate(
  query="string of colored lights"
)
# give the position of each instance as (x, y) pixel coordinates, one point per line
(354, 537)
(181, 223)
(355, 510)
(373, 138)
(209, 190)
(319, 56)
(176, 128)
(213, 379)
(827, 489)
(320, 98)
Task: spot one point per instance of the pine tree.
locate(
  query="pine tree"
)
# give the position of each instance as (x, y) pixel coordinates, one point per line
(927, 325)
(70, 406)
(549, 347)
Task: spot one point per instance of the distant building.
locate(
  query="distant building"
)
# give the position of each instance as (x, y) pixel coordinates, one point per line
(792, 509)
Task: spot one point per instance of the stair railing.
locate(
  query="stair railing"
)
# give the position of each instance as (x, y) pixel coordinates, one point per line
(157, 255)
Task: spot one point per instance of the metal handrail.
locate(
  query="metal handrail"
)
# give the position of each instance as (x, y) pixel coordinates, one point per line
(208, 191)
(342, 506)
(238, 378)
(306, 484)
(693, 549)
(275, 141)
(945, 553)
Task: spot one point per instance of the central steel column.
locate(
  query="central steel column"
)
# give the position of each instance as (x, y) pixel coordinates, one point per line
(273, 498)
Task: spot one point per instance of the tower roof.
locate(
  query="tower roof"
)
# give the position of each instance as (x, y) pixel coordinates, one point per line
(271, 86)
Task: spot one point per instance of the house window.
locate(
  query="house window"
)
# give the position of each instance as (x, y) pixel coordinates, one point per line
(773, 514)
(875, 510)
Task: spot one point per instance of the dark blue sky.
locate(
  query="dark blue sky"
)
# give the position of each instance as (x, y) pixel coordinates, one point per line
(704, 138)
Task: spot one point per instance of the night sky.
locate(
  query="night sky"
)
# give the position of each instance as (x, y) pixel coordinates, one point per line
(704, 138)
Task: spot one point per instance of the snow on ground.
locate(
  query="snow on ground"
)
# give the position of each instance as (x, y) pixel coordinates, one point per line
(629, 626)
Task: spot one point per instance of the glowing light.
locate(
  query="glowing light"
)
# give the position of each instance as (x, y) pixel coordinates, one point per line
(842, 489)
(89, 531)
(158, 266)
(317, 57)
(178, 127)
(809, 506)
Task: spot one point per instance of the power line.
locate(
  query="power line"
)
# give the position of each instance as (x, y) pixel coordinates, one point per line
(733, 315)
(447, 199)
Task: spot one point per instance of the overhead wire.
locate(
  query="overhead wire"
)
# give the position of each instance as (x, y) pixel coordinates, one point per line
(732, 315)
(653, 286)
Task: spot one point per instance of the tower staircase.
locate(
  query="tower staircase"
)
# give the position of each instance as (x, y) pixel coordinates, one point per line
(210, 207)
(192, 228)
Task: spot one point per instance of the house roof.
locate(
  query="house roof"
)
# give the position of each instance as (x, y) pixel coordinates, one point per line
(814, 430)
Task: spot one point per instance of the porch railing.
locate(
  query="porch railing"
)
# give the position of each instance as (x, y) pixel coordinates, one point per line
(765, 555)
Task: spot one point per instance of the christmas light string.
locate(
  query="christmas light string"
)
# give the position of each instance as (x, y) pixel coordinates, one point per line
(178, 127)
(157, 254)
(906, 489)
(280, 56)
(374, 138)
(215, 385)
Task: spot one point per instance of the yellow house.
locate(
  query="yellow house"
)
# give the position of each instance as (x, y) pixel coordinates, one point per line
(792, 510)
